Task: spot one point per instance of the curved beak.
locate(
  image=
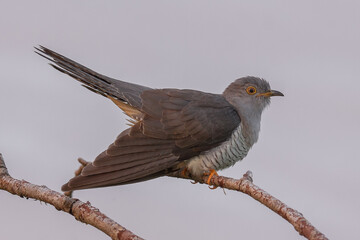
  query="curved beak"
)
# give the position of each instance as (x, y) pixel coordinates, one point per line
(271, 93)
(276, 93)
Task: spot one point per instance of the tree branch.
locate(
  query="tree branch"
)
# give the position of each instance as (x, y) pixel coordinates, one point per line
(245, 185)
(82, 212)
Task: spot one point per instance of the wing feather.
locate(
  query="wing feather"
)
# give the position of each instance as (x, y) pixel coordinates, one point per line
(162, 139)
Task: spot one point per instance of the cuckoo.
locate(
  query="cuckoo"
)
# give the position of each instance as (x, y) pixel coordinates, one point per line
(170, 129)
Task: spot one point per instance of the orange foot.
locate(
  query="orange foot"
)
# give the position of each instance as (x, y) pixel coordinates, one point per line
(211, 174)
(185, 173)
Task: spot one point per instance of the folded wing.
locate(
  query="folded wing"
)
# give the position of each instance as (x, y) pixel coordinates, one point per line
(177, 125)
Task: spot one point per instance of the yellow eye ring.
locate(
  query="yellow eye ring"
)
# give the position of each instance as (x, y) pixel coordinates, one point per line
(251, 90)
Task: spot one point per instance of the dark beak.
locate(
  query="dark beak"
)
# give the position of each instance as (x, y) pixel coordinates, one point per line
(271, 93)
(276, 93)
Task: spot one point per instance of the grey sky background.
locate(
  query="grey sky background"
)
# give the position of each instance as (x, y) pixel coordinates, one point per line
(308, 150)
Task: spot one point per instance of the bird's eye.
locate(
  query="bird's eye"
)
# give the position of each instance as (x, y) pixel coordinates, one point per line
(251, 90)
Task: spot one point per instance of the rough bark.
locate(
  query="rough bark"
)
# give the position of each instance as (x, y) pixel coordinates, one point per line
(82, 212)
(245, 185)
(86, 213)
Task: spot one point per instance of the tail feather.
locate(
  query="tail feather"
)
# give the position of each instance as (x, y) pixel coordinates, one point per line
(77, 71)
(106, 86)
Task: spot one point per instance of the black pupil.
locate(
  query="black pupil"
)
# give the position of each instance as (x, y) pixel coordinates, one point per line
(251, 90)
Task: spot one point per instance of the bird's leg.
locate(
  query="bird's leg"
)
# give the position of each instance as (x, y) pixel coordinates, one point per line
(211, 174)
(185, 173)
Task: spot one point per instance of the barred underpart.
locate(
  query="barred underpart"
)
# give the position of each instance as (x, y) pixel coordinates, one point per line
(223, 156)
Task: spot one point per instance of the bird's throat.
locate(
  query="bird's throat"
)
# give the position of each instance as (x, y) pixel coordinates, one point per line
(250, 125)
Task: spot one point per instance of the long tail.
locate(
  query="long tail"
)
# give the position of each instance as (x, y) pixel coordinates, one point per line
(128, 93)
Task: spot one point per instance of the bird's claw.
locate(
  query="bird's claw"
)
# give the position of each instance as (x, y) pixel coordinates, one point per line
(211, 174)
(213, 187)
(185, 173)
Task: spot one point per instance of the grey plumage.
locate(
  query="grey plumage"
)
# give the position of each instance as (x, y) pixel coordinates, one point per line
(171, 128)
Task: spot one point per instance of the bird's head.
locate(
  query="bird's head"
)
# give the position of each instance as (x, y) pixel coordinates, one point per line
(250, 94)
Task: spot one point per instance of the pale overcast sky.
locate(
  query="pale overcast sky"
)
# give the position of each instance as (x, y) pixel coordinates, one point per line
(308, 150)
